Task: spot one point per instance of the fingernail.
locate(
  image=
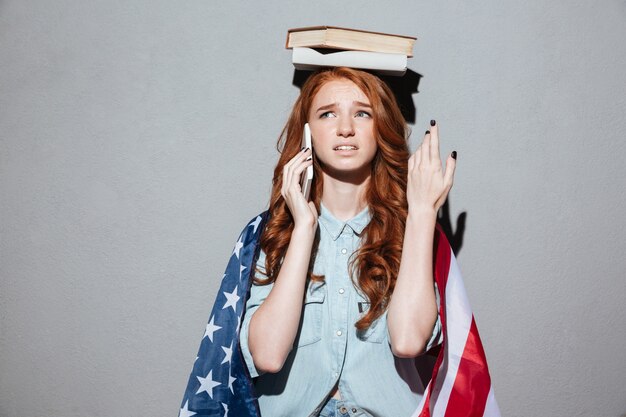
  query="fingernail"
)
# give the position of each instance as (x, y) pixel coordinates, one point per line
(309, 158)
(301, 149)
(427, 132)
(306, 149)
(453, 154)
(432, 122)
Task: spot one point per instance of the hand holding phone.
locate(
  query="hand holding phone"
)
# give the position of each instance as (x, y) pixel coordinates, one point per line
(307, 176)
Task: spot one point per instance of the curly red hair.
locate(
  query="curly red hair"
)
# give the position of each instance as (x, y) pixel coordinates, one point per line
(377, 261)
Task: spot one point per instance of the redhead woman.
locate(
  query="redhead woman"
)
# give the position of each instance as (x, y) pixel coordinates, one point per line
(343, 297)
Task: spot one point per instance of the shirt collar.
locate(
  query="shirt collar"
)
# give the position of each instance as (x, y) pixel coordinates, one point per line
(334, 226)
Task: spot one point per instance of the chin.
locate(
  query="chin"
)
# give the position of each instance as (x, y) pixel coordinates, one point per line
(348, 172)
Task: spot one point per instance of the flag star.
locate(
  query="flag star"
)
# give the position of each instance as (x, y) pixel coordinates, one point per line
(238, 323)
(241, 268)
(238, 247)
(184, 412)
(231, 299)
(229, 353)
(207, 384)
(230, 382)
(225, 409)
(210, 329)
(255, 223)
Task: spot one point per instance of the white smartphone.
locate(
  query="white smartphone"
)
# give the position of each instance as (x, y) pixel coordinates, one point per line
(307, 176)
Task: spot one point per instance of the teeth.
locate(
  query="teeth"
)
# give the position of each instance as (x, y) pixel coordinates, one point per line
(345, 148)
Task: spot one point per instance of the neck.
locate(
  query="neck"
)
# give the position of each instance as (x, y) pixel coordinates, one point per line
(344, 199)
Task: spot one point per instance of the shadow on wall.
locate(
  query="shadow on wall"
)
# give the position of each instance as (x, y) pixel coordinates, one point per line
(445, 221)
(403, 89)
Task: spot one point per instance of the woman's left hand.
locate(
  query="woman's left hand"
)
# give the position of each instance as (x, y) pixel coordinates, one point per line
(428, 185)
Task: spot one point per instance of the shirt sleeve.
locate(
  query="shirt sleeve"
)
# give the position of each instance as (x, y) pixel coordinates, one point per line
(258, 294)
(437, 337)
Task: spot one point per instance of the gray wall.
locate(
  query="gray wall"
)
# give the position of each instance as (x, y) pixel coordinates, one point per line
(137, 138)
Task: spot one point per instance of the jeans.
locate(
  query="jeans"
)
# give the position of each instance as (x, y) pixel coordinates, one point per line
(334, 408)
(338, 408)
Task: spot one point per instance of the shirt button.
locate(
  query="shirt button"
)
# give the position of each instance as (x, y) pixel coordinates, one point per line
(339, 332)
(341, 291)
(344, 251)
(353, 410)
(343, 409)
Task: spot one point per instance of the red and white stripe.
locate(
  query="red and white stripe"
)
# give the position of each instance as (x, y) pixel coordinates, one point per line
(460, 385)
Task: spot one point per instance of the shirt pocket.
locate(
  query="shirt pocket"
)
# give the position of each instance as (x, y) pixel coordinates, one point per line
(310, 330)
(378, 329)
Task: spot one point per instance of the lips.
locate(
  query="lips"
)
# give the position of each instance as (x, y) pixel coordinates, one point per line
(345, 148)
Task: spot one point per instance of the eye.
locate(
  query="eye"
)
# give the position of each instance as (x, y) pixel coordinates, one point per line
(327, 114)
(362, 113)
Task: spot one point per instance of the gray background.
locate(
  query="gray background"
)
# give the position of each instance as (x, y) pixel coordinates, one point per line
(137, 138)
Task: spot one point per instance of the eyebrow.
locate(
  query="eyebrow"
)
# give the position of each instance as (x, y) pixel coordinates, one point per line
(331, 105)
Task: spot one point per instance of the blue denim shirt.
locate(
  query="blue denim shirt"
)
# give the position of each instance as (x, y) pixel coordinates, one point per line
(328, 348)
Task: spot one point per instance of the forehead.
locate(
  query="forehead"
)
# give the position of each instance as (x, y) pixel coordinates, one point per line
(339, 90)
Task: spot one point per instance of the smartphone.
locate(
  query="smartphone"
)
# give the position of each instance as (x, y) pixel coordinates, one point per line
(307, 176)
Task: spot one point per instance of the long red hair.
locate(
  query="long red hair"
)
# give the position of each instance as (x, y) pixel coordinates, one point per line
(374, 267)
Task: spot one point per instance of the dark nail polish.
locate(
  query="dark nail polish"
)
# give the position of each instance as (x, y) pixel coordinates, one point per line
(432, 122)
(306, 149)
(453, 154)
(309, 158)
(301, 149)
(427, 132)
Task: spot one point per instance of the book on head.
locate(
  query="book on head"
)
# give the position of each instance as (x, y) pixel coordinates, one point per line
(310, 59)
(334, 37)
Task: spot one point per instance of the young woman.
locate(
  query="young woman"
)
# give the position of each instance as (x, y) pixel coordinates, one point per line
(343, 297)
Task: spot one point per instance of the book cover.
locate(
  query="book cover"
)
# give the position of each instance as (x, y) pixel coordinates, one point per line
(349, 39)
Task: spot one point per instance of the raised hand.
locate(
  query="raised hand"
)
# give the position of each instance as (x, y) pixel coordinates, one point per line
(428, 185)
(304, 213)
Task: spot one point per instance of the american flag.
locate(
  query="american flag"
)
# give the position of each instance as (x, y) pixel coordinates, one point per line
(460, 385)
(220, 385)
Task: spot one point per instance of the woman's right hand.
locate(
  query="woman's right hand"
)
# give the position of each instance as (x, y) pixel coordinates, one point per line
(304, 213)
(274, 325)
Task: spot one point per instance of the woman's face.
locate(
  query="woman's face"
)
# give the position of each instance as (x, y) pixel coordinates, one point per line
(342, 129)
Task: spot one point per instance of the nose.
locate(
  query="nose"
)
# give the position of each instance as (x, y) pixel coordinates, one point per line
(345, 126)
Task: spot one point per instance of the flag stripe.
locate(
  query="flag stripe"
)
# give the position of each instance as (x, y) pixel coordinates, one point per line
(472, 383)
(458, 320)
(460, 383)
(491, 408)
